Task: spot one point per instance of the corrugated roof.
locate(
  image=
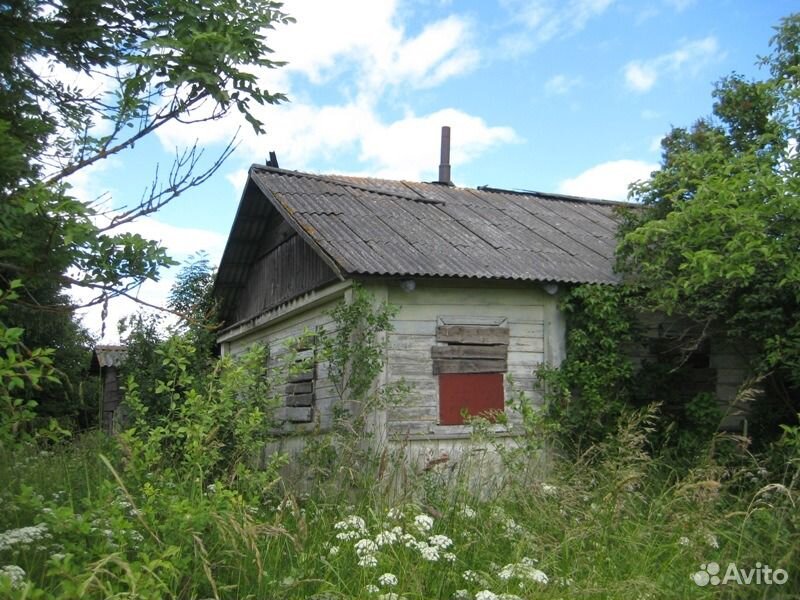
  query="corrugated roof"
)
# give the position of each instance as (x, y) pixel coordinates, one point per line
(108, 356)
(367, 226)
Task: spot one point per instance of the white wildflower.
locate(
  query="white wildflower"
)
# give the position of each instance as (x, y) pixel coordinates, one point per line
(365, 546)
(368, 560)
(24, 536)
(346, 536)
(58, 556)
(440, 541)
(509, 597)
(395, 513)
(388, 537)
(512, 527)
(351, 523)
(211, 488)
(461, 595)
(449, 557)
(684, 541)
(523, 570)
(334, 550)
(372, 589)
(470, 576)
(486, 595)
(430, 553)
(387, 580)
(467, 512)
(549, 490)
(423, 523)
(712, 541)
(409, 541)
(15, 574)
(390, 596)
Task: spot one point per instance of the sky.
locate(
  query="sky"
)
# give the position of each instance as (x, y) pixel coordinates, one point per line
(569, 96)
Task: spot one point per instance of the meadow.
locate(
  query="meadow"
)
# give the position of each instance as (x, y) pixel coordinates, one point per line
(94, 518)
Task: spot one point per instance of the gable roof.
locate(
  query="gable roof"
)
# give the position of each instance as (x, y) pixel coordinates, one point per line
(369, 226)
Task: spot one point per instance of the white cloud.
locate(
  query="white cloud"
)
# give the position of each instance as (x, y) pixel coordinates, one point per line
(545, 20)
(608, 180)
(680, 5)
(690, 57)
(560, 84)
(377, 56)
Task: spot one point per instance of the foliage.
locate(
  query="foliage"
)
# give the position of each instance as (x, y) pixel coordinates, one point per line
(588, 392)
(145, 335)
(212, 427)
(20, 369)
(98, 530)
(719, 234)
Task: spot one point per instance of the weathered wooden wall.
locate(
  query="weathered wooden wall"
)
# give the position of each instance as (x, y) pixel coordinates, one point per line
(275, 336)
(527, 312)
(285, 267)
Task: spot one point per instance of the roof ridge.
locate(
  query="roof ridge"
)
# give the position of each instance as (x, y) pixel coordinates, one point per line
(331, 179)
(555, 196)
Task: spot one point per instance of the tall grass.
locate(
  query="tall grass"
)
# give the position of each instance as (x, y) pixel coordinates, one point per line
(614, 524)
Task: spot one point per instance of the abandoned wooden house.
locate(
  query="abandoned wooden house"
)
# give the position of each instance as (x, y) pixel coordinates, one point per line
(476, 274)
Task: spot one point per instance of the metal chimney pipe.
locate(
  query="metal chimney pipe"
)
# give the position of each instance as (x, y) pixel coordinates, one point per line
(444, 164)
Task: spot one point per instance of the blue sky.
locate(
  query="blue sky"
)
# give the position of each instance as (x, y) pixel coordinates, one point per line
(558, 96)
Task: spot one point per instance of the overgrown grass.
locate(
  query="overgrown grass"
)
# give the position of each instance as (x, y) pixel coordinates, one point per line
(615, 524)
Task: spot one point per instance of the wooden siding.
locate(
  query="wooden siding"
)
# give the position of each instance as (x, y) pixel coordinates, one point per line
(523, 311)
(286, 267)
(297, 419)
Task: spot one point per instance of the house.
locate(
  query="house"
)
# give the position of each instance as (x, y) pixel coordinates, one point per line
(476, 274)
(106, 361)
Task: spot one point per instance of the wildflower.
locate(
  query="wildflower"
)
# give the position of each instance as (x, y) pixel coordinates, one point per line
(387, 580)
(523, 570)
(549, 490)
(388, 537)
(15, 574)
(24, 536)
(449, 557)
(470, 576)
(365, 546)
(351, 523)
(486, 595)
(512, 527)
(346, 536)
(58, 556)
(372, 589)
(712, 541)
(684, 541)
(333, 551)
(211, 488)
(390, 596)
(394, 513)
(368, 560)
(467, 512)
(430, 553)
(461, 595)
(509, 597)
(440, 541)
(424, 523)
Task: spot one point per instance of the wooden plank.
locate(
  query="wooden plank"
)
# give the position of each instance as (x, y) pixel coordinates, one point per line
(300, 399)
(445, 365)
(472, 334)
(469, 351)
(294, 414)
(299, 388)
(301, 377)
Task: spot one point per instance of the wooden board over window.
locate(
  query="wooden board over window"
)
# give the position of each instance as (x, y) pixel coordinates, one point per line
(470, 360)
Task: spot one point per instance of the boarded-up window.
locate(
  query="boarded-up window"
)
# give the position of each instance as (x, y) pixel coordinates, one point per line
(300, 386)
(473, 393)
(470, 361)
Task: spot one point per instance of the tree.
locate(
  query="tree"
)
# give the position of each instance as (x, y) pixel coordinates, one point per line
(718, 239)
(143, 64)
(149, 63)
